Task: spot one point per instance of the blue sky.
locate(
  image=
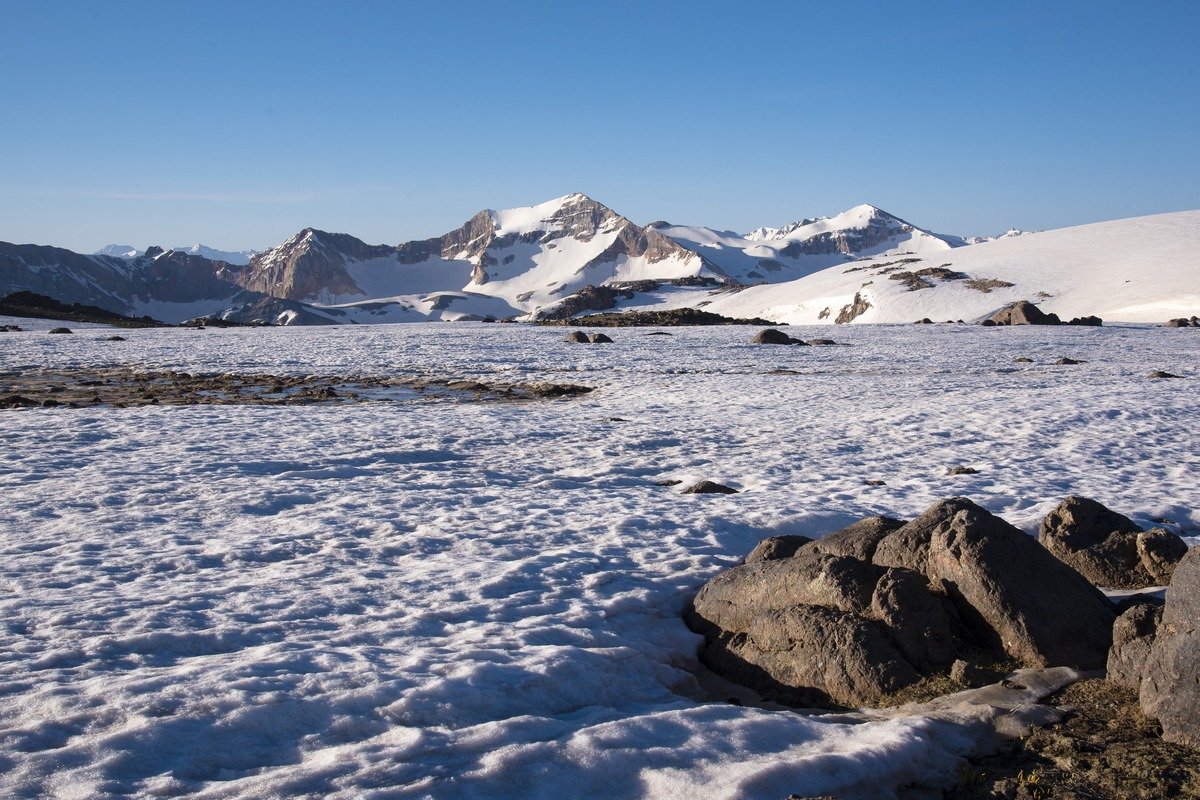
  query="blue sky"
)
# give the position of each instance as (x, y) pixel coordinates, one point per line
(237, 124)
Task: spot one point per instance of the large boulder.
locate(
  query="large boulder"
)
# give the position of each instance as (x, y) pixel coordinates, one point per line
(955, 583)
(773, 336)
(1108, 548)
(1010, 591)
(1170, 689)
(1133, 638)
(816, 629)
(1023, 312)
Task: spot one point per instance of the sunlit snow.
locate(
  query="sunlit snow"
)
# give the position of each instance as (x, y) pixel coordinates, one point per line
(483, 599)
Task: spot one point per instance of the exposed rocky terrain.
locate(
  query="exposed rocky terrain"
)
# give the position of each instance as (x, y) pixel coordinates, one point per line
(130, 387)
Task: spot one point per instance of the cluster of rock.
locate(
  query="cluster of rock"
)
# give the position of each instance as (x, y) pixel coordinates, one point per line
(671, 317)
(10, 328)
(883, 605)
(1109, 549)
(1184, 322)
(1024, 312)
(773, 336)
(1156, 652)
(580, 337)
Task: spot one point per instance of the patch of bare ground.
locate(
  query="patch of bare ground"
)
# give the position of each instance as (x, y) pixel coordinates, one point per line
(121, 387)
(986, 285)
(1104, 749)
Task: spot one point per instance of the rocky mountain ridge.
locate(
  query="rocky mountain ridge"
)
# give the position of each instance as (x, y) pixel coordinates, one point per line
(557, 258)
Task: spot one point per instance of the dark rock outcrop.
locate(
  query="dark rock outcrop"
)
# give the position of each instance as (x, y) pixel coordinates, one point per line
(773, 336)
(1133, 638)
(1184, 322)
(1170, 689)
(1108, 548)
(777, 547)
(881, 605)
(709, 487)
(852, 310)
(1088, 321)
(1023, 312)
(643, 319)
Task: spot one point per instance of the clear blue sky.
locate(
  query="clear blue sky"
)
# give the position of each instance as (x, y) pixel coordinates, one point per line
(237, 124)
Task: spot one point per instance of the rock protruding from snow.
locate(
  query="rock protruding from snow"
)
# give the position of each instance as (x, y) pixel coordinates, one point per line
(1108, 548)
(709, 487)
(1023, 312)
(882, 605)
(773, 336)
(1170, 690)
(1184, 322)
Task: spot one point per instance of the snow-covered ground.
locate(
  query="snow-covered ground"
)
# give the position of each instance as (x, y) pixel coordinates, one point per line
(456, 599)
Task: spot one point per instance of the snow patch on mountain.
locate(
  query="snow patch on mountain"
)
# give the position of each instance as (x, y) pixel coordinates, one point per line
(1133, 270)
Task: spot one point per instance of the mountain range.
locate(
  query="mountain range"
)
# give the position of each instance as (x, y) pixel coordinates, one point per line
(572, 255)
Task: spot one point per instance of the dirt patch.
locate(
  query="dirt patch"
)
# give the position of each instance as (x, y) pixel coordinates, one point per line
(986, 285)
(121, 387)
(1104, 749)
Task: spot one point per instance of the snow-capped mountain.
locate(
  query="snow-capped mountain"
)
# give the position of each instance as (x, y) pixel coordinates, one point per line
(1133, 270)
(168, 285)
(510, 262)
(773, 255)
(236, 257)
(1008, 234)
(572, 255)
(118, 250)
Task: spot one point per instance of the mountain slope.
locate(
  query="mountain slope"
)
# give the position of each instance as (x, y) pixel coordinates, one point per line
(527, 259)
(166, 285)
(775, 255)
(1143, 269)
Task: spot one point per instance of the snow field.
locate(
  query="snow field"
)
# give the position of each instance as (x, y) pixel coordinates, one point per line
(442, 599)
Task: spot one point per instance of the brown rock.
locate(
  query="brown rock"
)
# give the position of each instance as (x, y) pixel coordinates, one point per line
(1010, 591)
(1133, 638)
(777, 547)
(1170, 688)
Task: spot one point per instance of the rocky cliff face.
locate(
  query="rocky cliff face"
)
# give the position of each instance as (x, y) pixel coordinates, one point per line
(309, 266)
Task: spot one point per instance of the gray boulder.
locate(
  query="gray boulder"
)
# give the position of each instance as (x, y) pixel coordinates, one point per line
(709, 487)
(882, 604)
(812, 656)
(908, 545)
(1133, 638)
(1108, 548)
(1023, 312)
(578, 337)
(599, 338)
(1014, 594)
(858, 540)
(1170, 689)
(773, 336)
(816, 629)
(777, 547)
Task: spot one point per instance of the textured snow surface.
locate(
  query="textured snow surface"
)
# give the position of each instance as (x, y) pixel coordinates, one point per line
(483, 600)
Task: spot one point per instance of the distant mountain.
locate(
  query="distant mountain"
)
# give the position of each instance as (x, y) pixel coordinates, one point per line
(1008, 234)
(239, 257)
(170, 285)
(516, 261)
(572, 255)
(1133, 270)
(772, 255)
(119, 250)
